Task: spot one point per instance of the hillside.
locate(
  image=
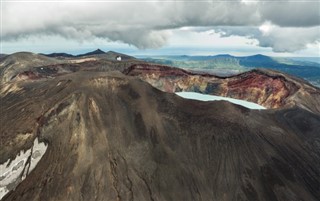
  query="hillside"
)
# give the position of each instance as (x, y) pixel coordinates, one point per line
(114, 130)
(29, 64)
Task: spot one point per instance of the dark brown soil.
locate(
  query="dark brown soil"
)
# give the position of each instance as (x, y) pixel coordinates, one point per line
(115, 137)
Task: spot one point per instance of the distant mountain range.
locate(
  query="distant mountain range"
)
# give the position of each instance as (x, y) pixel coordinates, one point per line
(257, 60)
(2, 55)
(302, 68)
(58, 55)
(97, 52)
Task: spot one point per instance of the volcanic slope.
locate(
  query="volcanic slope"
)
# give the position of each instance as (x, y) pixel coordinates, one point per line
(115, 137)
(27, 65)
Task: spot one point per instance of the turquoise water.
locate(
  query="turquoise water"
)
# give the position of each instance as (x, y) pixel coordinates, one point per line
(205, 97)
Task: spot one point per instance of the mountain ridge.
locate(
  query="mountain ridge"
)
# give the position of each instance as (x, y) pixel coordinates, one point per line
(91, 53)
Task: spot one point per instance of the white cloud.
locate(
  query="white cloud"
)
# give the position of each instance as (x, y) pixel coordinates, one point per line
(149, 24)
(193, 37)
(266, 28)
(280, 39)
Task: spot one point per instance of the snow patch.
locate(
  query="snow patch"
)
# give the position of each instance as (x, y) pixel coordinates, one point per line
(14, 171)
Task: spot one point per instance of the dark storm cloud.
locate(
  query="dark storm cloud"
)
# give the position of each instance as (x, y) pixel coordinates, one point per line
(291, 13)
(148, 24)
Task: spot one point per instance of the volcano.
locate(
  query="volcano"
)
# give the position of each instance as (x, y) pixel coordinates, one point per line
(109, 130)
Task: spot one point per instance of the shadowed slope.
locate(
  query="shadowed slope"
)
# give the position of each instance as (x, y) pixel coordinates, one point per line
(114, 137)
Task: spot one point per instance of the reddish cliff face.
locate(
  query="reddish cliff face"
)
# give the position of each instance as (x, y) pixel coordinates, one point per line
(267, 88)
(271, 92)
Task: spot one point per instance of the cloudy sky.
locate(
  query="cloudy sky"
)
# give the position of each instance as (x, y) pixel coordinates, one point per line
(240, 27)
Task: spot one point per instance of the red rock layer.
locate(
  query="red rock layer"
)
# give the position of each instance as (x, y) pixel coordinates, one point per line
(271, 91)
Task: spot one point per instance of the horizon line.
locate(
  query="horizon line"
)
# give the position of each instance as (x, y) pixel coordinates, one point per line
(150, 55)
